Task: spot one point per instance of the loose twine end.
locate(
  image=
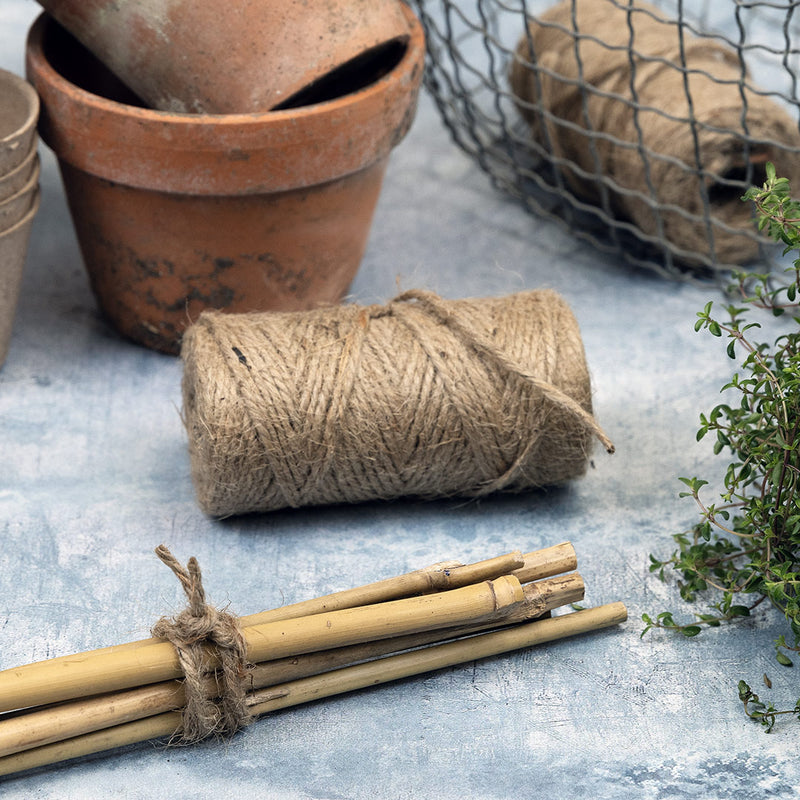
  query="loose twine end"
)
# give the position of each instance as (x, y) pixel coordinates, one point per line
(216, 701)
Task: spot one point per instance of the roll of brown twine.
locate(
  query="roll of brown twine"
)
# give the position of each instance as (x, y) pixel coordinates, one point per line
(667, 122)
(421, 397)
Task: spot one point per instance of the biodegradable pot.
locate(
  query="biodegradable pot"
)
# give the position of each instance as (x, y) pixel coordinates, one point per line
(13, 182)
(19, 111)
(13, 250)
(176, 213)
(215, 57)
(14, 208)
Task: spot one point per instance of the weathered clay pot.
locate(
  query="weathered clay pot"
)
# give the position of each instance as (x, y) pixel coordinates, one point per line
(13, 250)
(19, 111)
(176, 213)
(218, 57)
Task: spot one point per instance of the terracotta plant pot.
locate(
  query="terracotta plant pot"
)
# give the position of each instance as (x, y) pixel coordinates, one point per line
(176, 213)
(19, 111)
(13, 250)
(211, 56)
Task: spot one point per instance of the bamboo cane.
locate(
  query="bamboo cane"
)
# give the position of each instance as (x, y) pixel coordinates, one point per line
(428, 659)
(78, 717)
(545, 563)
(95, 672)
(347, 679)
(441, 576)
(445, 575)
(141, 730)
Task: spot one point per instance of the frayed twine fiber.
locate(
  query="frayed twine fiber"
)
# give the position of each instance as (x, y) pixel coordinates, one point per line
(192, 632)
(421, 397)
(601, 84)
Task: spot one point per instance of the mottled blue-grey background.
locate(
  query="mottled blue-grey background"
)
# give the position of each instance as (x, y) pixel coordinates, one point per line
(94, 474)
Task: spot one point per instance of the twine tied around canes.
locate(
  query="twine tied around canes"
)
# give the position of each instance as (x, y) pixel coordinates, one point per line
(191, 631)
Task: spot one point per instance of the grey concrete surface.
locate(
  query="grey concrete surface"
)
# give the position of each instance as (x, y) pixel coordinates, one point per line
(95, 473)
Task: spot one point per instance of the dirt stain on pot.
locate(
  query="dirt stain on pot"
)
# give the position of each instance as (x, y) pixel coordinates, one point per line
(293, 281)
(153, 268)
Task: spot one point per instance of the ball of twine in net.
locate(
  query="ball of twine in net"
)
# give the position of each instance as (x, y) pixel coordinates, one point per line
(669, 124)
(421, 397)
(196, 631)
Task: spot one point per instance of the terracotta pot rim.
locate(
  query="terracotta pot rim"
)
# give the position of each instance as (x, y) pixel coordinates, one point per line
(29, 215)
(260, 140)
(32, 99)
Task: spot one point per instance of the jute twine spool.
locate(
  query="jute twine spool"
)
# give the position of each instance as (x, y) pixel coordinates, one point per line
(421, 397)
(604, 91)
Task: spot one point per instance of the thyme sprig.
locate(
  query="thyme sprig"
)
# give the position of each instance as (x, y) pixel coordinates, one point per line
(763, 713)
(747, 545)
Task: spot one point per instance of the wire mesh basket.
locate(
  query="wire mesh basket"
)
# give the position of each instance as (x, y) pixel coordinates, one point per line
(636, 125)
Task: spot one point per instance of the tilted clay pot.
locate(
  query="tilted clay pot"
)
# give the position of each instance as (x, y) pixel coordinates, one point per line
(219, 57)
(176, 213)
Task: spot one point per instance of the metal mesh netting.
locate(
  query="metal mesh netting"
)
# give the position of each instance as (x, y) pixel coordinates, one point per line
(636, 125)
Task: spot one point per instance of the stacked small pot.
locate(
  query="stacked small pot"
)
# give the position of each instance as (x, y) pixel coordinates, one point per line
(19, 191)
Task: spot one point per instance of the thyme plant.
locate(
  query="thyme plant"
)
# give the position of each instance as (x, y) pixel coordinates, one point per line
(745, 549)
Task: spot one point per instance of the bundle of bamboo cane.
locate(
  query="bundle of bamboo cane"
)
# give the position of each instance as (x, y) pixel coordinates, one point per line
(421, 621)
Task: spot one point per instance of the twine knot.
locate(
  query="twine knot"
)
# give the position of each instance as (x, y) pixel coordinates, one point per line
(213, 657)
